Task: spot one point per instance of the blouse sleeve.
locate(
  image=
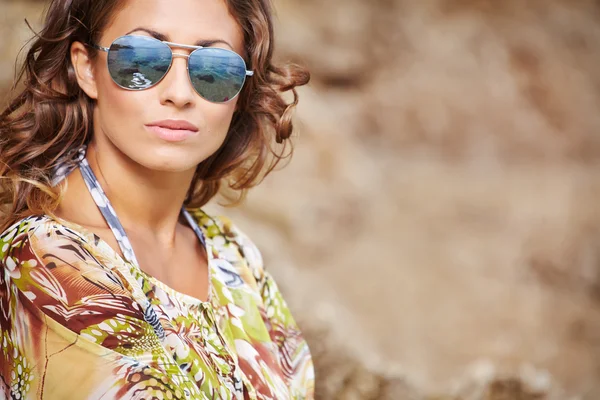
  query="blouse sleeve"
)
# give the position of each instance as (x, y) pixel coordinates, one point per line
(294, 354)
(69, 328)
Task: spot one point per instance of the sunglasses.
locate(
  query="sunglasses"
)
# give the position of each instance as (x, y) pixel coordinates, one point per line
(140, 62)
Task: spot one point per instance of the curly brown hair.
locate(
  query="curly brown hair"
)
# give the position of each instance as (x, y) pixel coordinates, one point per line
(51, 114)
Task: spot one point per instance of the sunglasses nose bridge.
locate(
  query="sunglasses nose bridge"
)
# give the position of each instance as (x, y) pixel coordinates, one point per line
(182, 55)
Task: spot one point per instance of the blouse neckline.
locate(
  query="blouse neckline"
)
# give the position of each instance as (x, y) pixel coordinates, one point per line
(102, 246)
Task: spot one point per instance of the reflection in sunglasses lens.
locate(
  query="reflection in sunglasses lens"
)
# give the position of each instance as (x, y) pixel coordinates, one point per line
(138, 62)
(217, 74)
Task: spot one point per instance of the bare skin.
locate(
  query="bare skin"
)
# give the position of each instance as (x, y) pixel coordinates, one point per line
(145, 177)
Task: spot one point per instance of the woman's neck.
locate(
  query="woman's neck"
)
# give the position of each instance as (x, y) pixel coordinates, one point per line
(147, 202)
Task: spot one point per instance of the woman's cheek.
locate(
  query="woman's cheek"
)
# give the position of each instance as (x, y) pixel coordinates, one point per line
(124, 108)
(219, 117)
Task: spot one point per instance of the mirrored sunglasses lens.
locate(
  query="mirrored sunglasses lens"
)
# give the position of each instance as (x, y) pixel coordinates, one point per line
(138, 62)
(217, 74)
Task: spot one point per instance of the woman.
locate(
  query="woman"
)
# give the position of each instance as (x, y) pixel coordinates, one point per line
(115, 284)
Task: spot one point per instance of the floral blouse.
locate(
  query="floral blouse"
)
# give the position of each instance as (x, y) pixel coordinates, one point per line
(71, 327)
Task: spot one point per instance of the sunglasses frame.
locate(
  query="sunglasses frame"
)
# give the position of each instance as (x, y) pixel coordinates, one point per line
(173, 55)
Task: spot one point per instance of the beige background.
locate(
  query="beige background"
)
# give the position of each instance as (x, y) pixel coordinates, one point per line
(437, 231)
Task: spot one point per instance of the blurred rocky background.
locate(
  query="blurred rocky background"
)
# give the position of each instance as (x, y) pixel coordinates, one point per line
(437, 233)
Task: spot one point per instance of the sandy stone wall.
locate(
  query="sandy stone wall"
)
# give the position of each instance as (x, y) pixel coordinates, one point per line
(437, 231)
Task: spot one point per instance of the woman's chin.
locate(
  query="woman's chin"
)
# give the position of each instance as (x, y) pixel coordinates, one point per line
(170, 165)
(171, 160)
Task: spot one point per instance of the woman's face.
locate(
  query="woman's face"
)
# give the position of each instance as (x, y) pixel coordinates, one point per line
(123, 118)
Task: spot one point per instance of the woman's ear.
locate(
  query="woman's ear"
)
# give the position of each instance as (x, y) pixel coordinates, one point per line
(84, 71)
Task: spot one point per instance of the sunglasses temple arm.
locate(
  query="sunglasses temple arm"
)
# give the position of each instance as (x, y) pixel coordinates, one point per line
(95, 46)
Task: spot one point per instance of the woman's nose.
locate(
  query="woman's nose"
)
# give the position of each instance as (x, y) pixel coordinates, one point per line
(176, 85)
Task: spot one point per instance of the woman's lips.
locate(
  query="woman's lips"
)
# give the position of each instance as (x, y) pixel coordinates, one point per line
(172, 130)
(170, 135)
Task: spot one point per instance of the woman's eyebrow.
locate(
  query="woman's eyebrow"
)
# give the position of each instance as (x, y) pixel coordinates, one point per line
(165, 38)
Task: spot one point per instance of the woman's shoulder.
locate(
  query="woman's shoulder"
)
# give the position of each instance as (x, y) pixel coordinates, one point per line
(19, 234)
(59, 270)
(45, 250)
(35, 229)
(26, 224)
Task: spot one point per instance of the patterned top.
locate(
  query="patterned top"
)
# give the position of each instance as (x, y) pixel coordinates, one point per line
(77, 321)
